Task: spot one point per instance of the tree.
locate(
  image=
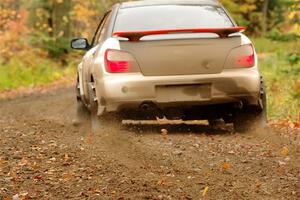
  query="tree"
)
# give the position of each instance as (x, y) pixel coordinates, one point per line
(264, 16)
(104, 3)
(261, 16)
(13, 27)
(51, 22)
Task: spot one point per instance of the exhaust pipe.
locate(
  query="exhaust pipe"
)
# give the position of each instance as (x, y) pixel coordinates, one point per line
(239, 105)
(145, 106)
(152, 110)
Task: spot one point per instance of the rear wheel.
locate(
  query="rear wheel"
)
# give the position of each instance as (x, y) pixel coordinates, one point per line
(77, 89)
(93, 105)
(252, 118)
(82, 113)
(96, 121)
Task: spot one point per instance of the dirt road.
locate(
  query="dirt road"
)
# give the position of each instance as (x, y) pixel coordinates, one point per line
(45, 155)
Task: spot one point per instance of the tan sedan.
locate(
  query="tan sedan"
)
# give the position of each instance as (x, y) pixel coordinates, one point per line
(181, 59)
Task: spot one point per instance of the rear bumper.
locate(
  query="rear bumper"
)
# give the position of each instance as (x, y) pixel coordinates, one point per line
(232, 85)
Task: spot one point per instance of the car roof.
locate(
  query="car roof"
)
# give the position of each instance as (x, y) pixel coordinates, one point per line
(168, 2)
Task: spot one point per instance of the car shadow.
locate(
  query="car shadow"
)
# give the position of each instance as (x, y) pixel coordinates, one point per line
(180, 129)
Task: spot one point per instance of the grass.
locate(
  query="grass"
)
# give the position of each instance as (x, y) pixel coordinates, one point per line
(280, 64)
(31, 70)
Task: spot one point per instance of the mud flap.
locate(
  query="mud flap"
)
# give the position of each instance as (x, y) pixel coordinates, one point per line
(93, 106)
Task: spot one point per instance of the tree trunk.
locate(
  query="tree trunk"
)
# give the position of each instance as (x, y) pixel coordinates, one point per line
(104, 3)
(264, 16)
(50, 21)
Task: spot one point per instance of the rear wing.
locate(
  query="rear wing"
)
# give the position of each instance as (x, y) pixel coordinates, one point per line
(135, 36)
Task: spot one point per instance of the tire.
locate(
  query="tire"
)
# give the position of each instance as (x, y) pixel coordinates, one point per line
(252, 118)
(77, 90)
(82, 113)
(93, 104)
(96, 122)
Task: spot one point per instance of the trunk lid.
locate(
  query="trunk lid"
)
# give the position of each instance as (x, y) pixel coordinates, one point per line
(181, 56)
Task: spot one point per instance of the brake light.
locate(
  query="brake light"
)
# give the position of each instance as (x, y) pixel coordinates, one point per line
(241, 57)
(117, 61)
(246, 61)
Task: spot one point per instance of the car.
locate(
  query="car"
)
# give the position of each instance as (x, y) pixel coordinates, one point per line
(180, 59)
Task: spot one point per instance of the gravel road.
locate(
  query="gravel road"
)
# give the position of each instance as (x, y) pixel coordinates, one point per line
(44, 154)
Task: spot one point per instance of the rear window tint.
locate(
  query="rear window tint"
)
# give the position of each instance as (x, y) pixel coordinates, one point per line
(171, 17)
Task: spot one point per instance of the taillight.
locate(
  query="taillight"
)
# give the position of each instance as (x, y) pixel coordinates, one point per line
(240, 57)
(248, 60)
(117, 61)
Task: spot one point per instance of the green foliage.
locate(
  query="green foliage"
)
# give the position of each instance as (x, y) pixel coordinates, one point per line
(56, 47)
(275, 34)
(52, 27)
(19, 73)
(251, 13)
(280, 65)
(294, 59)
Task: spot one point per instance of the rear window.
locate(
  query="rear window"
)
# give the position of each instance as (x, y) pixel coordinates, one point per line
(171, 17)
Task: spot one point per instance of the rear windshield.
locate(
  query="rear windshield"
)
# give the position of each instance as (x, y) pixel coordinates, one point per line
(164, 17)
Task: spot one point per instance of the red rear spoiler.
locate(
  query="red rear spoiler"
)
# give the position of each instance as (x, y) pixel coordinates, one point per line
(222, 32)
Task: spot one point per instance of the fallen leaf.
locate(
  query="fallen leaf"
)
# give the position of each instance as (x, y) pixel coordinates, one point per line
(291, 125)
(226, 166)
(258, 184)
(205, 191)
(66, 157)
(89, 139)
(285, 151)
(38, 178)
(297, 124)
(162, 181)
(68, 176)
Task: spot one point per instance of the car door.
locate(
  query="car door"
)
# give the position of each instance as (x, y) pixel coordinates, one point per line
(88, 58)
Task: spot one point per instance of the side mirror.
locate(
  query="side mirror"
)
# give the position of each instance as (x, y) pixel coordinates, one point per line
(80, 44)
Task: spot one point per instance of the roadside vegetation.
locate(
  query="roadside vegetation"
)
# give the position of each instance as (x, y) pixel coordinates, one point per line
(279, 62)
(35, 38)
(33, 70)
